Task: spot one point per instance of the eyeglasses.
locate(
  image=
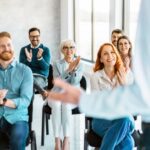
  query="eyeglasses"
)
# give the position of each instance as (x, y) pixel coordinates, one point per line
(34, 36)
(67, 48)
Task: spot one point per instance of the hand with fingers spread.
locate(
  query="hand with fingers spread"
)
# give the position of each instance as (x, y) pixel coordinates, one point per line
(28, 54)
(40, 53)
(121, 74)
(73, 64)
(70, 93)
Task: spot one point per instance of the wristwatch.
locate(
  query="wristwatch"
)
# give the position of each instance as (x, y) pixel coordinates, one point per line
(4, 101)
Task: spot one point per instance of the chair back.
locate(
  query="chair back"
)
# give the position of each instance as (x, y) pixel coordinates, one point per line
(50, 78)
(83, 83)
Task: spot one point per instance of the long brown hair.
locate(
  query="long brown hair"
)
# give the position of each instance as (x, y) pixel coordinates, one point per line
(130, 49)
(99, 65)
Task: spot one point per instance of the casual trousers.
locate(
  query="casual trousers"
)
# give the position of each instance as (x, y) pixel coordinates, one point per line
(17, 133)
(39, 83)
(61, 117)
(116, 133)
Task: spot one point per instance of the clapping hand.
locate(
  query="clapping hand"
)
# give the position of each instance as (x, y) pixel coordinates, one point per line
(74, 64)
(28, 54)
(40, 53)
(70, 93)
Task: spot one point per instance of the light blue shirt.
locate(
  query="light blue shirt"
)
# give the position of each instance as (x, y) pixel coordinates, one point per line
(134, 99)
(60, 70)
(18, 80)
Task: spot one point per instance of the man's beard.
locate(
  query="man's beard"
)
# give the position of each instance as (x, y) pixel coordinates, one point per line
(35, 43)
(6, 56)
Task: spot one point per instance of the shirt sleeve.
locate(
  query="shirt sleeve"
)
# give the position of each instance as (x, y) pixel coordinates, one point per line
(112, 104)
(26, 89)
(94, 82)
(44, 61)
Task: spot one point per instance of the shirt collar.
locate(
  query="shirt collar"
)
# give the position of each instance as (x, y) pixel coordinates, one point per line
(104, 76)
(12, 64)
(35, 47)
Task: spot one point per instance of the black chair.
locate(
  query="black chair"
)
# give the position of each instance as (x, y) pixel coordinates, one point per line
(4, 141)
(145, 143)
(94, 140)
(47, 111)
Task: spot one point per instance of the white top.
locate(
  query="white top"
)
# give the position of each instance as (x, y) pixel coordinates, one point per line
(100, 80)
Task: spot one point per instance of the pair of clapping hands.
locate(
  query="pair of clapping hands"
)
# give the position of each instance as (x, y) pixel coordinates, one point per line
(73, 65)
(3, 93)
(29, 54)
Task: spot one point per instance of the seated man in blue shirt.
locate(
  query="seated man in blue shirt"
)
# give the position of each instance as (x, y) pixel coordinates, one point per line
(16, 84)
(37, 57)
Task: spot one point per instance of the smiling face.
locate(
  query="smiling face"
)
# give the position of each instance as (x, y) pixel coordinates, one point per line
(108, 56)
(6, 49)
(68, 49)
(34, 37)
(124, 47)
(114, 38)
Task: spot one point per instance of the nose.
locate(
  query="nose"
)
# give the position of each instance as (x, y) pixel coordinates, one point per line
(7, 48)
(110, 56)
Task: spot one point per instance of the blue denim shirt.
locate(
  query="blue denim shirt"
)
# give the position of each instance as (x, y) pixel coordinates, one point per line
(18, 80)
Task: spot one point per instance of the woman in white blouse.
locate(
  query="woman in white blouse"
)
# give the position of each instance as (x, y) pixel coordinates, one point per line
(69, 69)
(109, 72)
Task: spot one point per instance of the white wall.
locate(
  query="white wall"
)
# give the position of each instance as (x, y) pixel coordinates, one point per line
(17, 16)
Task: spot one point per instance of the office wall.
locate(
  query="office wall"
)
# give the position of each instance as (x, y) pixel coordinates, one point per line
(17, 16)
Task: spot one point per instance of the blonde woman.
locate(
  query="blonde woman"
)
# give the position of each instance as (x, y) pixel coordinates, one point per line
(70, 70)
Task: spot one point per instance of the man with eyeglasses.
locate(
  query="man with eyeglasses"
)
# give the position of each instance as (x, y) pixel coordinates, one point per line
(37, 57)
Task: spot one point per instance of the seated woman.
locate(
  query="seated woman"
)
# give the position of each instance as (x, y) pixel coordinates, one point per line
(109, 73)
(124, 47)
(70, 70)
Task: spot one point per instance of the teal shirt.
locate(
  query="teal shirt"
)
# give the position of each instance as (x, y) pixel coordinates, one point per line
(37, 66)
(18, 80)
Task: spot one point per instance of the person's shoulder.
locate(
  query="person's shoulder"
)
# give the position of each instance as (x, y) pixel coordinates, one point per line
(60, 61)
(44, 47)
(26, 46)
(98, 73)
(23, 66)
